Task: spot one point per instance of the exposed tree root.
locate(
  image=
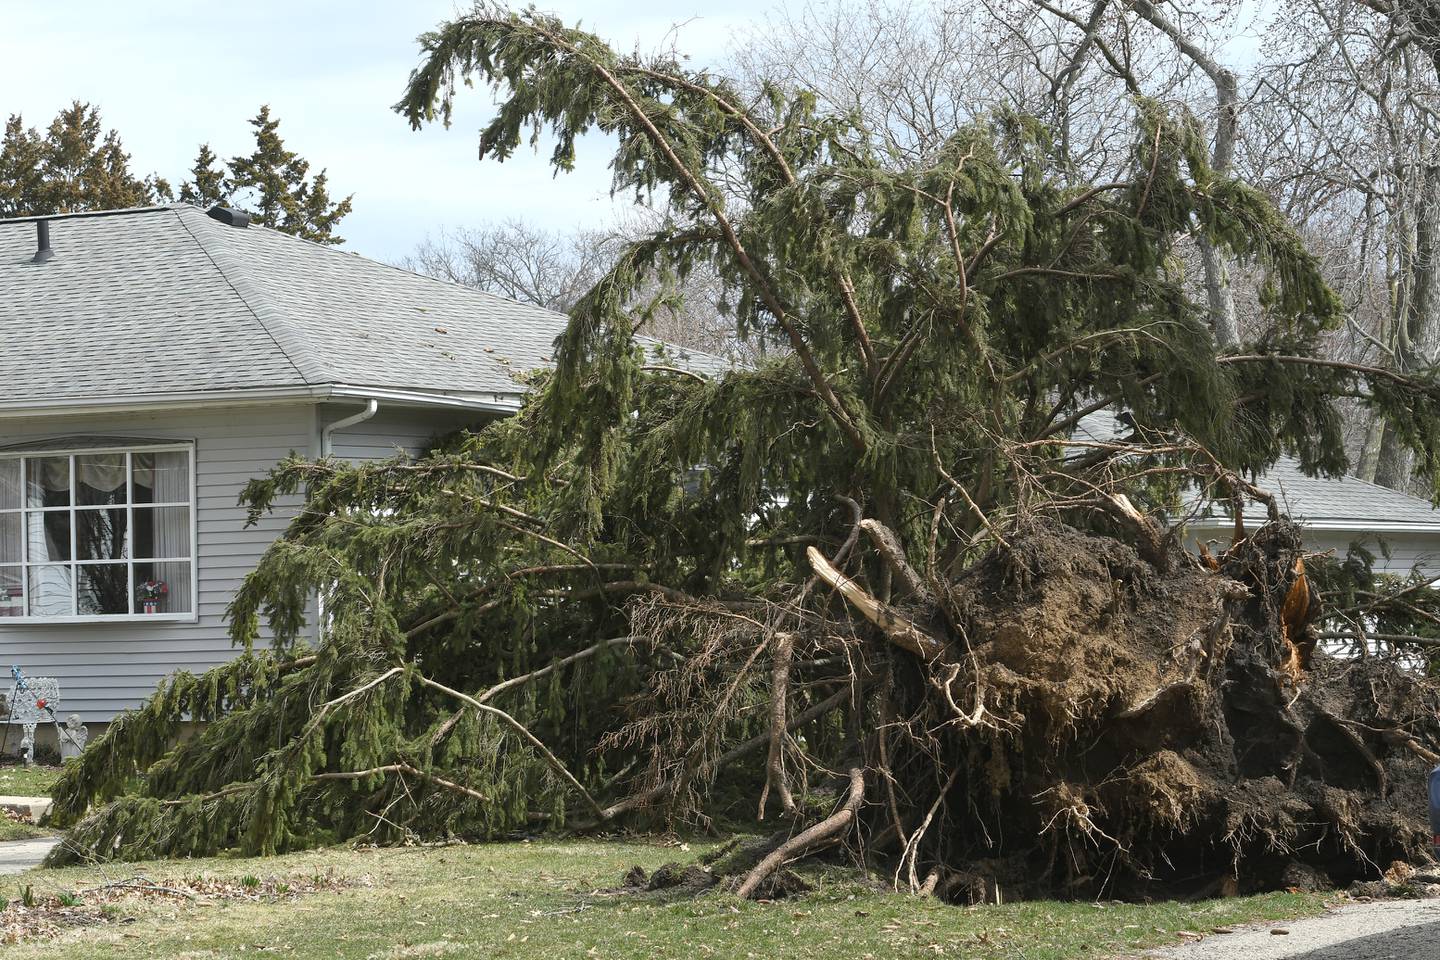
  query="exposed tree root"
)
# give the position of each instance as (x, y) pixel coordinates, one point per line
(1129, 724)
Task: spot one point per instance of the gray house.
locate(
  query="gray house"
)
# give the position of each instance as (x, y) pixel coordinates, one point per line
(156, 359)
(1401, 530)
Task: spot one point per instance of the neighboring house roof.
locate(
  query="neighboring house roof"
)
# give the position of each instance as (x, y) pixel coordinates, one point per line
(1332, 503)
(1337, 503)
(169, 303)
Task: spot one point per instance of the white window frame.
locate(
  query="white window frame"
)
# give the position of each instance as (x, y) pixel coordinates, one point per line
(39, 452)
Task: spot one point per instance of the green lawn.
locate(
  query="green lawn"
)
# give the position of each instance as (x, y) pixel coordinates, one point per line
(11, 830)
(22, 781)
(542, 900)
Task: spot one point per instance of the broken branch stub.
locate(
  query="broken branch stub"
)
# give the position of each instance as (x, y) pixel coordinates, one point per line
(827, 830)
(898, 628)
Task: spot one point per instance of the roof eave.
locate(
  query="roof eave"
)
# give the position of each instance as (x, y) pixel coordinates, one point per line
(495, 403)
(1328, 524)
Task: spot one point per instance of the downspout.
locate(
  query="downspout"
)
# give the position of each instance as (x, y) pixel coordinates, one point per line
(327, 435)
(327, 448)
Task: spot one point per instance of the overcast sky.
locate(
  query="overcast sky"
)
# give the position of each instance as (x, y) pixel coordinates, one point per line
(170, 75)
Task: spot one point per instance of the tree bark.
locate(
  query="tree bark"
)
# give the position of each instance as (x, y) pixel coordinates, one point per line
(827, 829)
(1369, 460)
(1223, 320)
(1418, 328)
(775, 775)
(898, 628)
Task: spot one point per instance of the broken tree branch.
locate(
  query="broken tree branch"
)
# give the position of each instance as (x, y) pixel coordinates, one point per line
(555, 763)
(897, 628)
(775, 774)
(890, 549)
(826, 830)
(403, 768)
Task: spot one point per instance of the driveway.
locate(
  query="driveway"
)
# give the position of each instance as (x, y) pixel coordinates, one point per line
(1391, 930)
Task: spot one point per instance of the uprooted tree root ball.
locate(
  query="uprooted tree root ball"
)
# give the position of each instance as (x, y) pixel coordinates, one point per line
(1091, 723)
(1126, 730)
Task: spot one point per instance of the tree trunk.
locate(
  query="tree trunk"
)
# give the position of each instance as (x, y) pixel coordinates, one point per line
(1369, 459)
(1222, 302)
(1418, 332)
(1393, 466)
(1227, 118)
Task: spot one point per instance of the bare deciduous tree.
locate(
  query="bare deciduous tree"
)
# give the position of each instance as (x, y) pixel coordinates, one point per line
(511, 258)
(554, 268)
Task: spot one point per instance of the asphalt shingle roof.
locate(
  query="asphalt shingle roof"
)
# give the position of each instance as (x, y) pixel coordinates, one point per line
(169, 300)
(1315, 501)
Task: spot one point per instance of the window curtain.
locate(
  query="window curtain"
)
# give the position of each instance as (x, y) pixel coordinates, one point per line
(172, 532)
(170, 477)
(105, 475)
(54, 475)
(165, 478)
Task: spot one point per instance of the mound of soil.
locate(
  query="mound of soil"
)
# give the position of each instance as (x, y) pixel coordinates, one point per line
(1111, 726)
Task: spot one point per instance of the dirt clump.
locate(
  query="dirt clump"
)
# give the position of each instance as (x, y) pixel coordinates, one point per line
(1112, 726)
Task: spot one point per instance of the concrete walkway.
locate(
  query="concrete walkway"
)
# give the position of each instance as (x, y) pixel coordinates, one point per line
(33, 808)
(17, 856)
(1387, 930)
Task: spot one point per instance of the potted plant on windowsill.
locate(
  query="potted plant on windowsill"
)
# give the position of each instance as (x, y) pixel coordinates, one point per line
(150, 594)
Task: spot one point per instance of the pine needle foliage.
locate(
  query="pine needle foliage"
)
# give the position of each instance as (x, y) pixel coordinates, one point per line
(75, 165)
(565, 618)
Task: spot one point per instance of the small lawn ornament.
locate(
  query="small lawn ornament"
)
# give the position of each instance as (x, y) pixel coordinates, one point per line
(33, 701)
(76, 735)
(151, 593)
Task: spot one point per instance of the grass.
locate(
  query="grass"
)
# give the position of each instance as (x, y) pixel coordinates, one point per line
(22, 781)
(540, 900)
(11, 830)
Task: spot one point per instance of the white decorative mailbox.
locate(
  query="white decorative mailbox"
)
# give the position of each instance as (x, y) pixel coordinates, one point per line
(32, 701)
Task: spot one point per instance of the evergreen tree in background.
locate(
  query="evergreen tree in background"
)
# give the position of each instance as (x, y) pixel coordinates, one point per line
(208, 184)
(280, 192)
(77, 166)
(74, 166)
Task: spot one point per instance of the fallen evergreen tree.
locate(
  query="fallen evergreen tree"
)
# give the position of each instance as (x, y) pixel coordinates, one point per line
(871, 586)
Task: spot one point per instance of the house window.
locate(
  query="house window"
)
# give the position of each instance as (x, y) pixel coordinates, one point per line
(97, 534)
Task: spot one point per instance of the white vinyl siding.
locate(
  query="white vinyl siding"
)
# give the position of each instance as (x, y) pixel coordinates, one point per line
(1407, 550)
(108, 666)
(393, 429)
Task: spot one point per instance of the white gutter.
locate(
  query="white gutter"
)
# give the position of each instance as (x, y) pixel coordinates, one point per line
(500, 403)
(327, 447)
(1338, 526)
(327, 435)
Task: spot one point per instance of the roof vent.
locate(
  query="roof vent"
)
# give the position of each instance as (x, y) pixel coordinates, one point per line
(229, 216)
(42, 242)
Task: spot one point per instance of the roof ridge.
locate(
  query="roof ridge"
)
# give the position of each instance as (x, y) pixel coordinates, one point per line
(332, 248)
(287, 340)
(499, 298)
(447, 283)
